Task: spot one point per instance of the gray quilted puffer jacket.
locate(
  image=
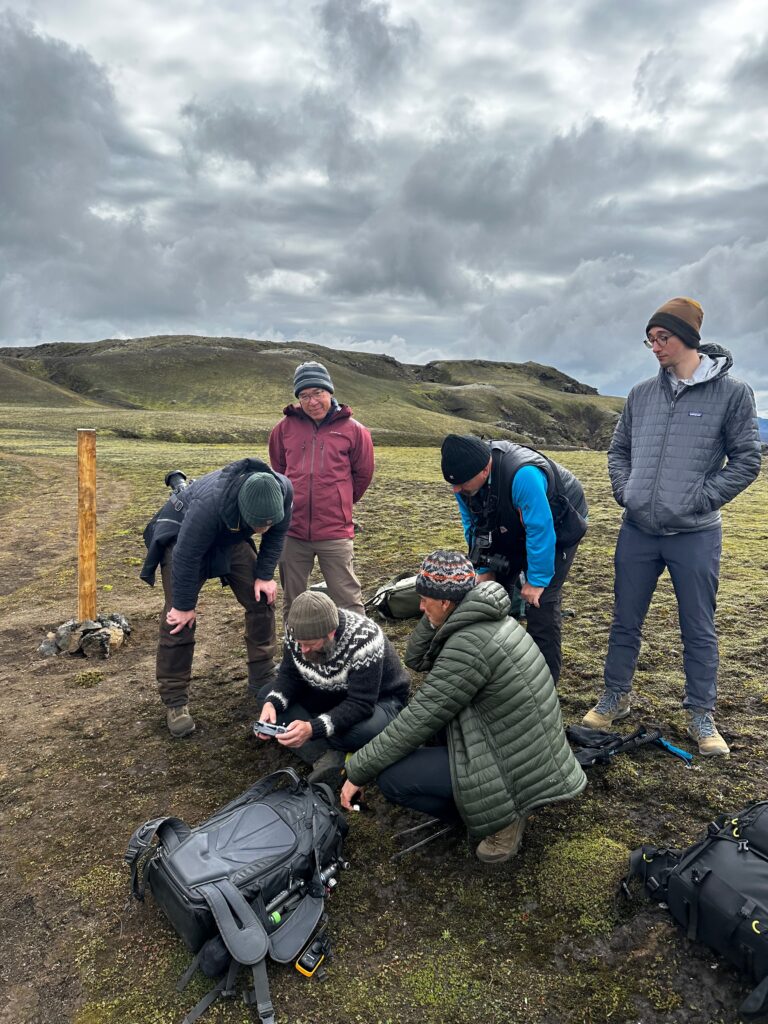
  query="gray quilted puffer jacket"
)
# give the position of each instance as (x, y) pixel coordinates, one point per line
(675, 460)
(490, 688)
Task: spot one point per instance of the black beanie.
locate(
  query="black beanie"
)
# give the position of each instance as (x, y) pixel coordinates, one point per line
(682, 317)
(446, 575)
(463, 456)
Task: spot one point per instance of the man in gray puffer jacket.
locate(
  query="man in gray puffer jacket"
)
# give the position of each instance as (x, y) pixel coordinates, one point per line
(685, 445)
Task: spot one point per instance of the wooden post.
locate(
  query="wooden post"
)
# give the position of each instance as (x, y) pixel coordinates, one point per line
(86, 524)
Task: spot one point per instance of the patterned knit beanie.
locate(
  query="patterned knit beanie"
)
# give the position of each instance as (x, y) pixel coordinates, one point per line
(260, 500)
(446, 575)
(311, 375)
(681, 316)
(463, 456)
(313, 615)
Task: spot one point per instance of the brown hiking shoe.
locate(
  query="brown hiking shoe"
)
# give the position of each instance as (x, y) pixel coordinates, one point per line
(611, 707)
(179, 721)
(502, 846)
(702, 728)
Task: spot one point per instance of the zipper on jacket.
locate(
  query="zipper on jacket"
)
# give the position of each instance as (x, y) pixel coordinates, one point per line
(311, 480)
(661, 453)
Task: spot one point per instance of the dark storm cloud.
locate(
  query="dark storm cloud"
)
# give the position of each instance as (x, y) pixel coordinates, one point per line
(364, 41)
(315, 129)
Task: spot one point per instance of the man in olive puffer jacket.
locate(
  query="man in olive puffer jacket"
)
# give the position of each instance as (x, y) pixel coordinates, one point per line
(685, 445)
(490, 700)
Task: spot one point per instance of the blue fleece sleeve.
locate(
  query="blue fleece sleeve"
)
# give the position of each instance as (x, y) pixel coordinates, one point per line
(468, 524)
(466, 519)
(529, 494)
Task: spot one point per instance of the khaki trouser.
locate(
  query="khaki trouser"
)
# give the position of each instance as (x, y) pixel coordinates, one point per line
(175, 652)
(335, 560)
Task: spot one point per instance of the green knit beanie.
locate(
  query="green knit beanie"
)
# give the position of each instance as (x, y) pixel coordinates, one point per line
(313, 615)
(261, 500)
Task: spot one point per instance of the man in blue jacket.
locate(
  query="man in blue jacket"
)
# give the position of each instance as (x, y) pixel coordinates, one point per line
(503, 492)
(203, 531)
(685, 445)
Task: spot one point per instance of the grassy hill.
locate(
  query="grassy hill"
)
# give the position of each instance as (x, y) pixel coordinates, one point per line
(234, 389)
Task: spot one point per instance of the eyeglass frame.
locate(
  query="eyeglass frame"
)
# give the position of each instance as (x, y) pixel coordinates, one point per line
(311, 396)
(649, 342)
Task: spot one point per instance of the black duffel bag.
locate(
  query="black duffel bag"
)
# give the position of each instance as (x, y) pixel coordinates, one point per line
(717, 892)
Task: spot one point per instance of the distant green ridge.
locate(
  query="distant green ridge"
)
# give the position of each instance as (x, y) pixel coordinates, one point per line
(209, 379)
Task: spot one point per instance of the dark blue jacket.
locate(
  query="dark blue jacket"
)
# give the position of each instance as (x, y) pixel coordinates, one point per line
(206, 527)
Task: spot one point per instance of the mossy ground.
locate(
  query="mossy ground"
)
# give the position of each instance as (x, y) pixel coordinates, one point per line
(435, 937)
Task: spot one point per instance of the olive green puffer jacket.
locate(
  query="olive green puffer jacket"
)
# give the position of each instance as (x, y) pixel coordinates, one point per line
(490, 688)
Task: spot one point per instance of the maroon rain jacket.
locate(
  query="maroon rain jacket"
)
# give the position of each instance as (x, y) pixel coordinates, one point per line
(330, 466)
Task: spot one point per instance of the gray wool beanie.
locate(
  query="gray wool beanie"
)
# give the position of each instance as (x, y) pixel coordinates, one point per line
(311, 375)
(446, 575)
(313, 615)
(260, 500)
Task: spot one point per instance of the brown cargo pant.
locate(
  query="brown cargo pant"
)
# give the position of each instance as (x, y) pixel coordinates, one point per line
(175, 652)
(335, 559)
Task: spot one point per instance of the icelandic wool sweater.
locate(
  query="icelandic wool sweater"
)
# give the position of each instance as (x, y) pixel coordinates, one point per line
(362, 669)
(490, 689)
(676, 459)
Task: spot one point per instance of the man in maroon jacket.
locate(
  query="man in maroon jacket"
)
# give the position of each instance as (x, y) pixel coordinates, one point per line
(328, 457)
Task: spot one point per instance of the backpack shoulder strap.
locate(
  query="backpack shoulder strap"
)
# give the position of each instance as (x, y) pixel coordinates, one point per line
(243, 933)
(170, 833)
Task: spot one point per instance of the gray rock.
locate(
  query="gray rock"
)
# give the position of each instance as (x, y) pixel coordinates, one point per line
(48, 647)
(96, 644)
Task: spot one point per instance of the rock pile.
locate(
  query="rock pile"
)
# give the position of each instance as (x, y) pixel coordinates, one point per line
(92, 638)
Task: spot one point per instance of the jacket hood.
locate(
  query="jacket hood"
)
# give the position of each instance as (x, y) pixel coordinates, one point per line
(487, 602)
(228, 487)
(343, 412)
(719, 353)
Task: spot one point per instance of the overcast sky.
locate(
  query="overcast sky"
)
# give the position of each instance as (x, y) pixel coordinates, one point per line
(478, 178)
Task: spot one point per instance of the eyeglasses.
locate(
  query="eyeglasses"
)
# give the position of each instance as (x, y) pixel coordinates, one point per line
(311, 396)
(660, 339)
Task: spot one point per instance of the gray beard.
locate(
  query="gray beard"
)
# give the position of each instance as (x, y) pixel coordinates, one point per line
(322, 656)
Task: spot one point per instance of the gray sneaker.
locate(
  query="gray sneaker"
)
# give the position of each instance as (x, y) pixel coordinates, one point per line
(328, 768)
(611, 707)
(179, 721)
(702, 728)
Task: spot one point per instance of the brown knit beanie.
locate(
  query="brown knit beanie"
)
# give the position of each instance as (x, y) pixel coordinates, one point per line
(681, 316)
(313, 616)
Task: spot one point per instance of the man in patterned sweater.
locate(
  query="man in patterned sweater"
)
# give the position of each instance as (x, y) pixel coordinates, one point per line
(339, 684)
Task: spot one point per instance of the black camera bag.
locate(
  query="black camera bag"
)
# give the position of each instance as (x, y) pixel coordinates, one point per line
(272, 849)
(717, 891)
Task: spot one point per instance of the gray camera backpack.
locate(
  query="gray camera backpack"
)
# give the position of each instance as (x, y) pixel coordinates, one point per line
(248, 883)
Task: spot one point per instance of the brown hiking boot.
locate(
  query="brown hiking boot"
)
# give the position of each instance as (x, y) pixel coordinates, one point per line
(702, 728)
(179, 721)
(502, 846)
(611, 707)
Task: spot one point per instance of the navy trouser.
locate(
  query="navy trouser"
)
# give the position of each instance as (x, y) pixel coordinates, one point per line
(354, 738)
(422, 782)
(693, 561)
